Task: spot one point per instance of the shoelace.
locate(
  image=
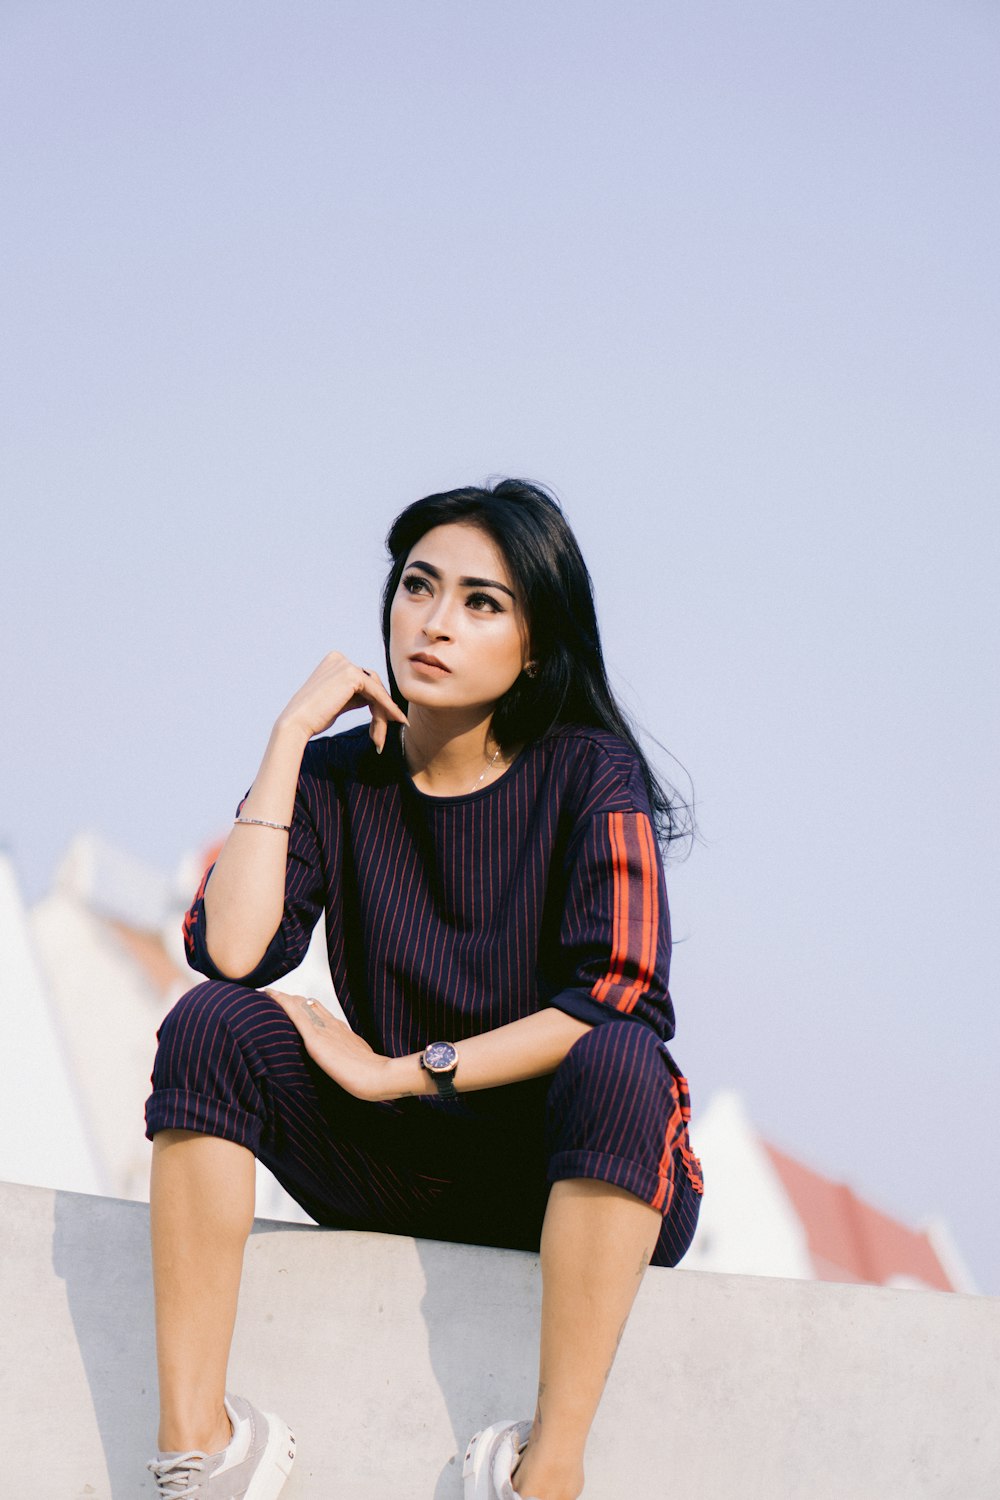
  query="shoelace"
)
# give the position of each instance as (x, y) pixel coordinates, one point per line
(177, 1477)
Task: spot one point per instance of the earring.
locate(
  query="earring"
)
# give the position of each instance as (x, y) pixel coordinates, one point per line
(531, 669)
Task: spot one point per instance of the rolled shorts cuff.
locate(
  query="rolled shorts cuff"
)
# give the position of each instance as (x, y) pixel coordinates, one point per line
(179, 1109)
(618, 1170)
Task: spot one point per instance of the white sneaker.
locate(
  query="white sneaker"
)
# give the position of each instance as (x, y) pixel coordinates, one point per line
(491, 1458)
(254, 1467)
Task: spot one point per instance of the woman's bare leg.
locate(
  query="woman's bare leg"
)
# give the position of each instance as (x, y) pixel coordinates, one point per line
(201, 1209)
(597, 1241)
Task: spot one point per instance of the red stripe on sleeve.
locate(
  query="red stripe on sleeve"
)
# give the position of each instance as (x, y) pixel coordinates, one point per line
(635, 905)
(620, 902)
(648, 918)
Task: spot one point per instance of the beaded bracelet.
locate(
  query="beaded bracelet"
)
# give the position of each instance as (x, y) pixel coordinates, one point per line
(264, 823)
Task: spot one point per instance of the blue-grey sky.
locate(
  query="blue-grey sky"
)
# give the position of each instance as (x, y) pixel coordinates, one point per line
(725, 278)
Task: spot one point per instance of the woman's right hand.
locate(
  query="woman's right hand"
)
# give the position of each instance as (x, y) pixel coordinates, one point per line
(336, 686)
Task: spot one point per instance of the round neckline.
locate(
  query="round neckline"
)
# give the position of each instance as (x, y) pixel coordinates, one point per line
(473, 796)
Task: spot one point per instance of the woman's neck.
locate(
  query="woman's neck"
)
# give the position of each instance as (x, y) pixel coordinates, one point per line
(448, 759)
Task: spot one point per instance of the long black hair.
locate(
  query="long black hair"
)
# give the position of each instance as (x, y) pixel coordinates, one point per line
(571, 685)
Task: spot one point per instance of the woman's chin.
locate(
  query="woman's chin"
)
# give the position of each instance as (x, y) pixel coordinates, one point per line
(450, 707)
(428, 694)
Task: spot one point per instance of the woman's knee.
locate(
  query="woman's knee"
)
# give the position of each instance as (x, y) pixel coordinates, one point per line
(205, 1004)
(210, 1066)
(212, 1018)
(614, 1055)
(616, 1111)
(612, 1094)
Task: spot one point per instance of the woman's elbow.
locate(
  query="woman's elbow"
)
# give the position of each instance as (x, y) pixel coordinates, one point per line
(232, 959)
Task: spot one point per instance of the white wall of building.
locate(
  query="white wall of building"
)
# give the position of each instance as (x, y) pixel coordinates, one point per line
(747, 1225)
(44, 1136)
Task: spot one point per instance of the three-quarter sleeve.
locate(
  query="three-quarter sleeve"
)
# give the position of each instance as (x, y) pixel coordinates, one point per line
(611, 958)
(304, 898)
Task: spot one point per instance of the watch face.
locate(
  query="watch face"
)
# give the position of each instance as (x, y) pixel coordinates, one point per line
(440, 1057)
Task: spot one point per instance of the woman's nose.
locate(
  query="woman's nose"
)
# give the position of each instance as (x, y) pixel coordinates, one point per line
(437, 623)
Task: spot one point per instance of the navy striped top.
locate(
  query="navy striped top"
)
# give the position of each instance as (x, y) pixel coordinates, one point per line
(448, 916)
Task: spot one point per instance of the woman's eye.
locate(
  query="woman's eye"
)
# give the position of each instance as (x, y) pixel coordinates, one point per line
(414, 584)
(479, 601)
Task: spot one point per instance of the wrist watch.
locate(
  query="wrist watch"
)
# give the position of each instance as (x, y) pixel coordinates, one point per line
(440, 1060)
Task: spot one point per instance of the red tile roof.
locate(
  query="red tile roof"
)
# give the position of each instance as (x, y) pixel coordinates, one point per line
(849, 1239)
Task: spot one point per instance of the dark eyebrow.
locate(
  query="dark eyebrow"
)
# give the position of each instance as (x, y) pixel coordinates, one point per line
(467, 583)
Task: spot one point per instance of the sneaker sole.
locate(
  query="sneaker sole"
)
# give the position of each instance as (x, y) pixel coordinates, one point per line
(276, 1463)
(477, 1477)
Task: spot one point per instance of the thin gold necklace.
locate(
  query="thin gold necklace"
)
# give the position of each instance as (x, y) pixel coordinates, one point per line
(482, 775)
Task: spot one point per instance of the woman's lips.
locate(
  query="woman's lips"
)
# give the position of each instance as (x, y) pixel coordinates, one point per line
(430, 664)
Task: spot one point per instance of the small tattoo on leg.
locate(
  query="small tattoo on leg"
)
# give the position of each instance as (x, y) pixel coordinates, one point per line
(538, 1406)
(621, 1334)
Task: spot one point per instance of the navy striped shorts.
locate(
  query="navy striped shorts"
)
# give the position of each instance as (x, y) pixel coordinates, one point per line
(476, 1170)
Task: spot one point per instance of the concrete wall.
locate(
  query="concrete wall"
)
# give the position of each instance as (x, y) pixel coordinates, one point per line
(386, 1353)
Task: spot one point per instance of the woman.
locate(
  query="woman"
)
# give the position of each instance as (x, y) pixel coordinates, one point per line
(486, 852)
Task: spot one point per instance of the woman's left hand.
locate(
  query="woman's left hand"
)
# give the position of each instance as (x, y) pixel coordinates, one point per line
(334, 1047)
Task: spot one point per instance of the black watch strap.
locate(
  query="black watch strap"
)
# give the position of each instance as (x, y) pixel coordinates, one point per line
(445, 1085)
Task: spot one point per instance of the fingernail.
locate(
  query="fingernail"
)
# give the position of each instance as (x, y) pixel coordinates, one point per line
(379, 749)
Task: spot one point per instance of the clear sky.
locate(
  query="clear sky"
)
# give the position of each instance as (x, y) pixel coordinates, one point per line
(725, 277)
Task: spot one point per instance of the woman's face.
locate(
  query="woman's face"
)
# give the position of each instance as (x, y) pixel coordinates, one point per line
(457, 631)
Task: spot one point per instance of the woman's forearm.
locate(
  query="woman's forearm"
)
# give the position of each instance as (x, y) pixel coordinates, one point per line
(529, 1048)
(245, 896)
